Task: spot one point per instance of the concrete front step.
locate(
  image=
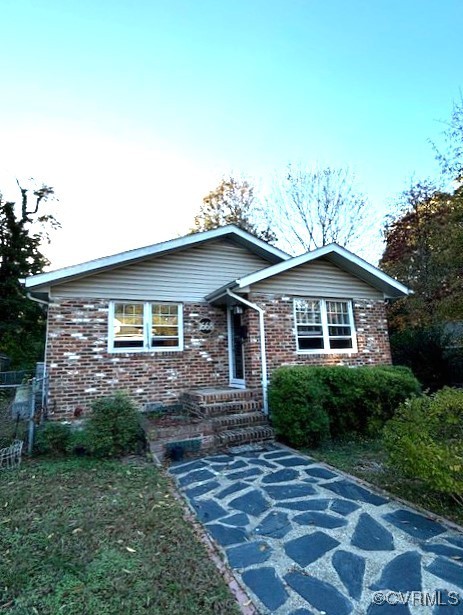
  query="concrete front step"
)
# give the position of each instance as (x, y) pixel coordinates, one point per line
(241, 419)
(245, 435)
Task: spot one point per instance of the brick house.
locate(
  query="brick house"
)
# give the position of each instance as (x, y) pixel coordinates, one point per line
(210, 310)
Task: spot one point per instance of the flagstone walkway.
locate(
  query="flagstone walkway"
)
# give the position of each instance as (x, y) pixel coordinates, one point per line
(305, 540)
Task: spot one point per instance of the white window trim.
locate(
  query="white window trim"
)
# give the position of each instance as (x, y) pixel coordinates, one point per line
(146, 327)
(324, 320)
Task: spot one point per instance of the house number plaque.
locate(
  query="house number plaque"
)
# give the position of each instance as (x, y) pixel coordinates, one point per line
(206, 325)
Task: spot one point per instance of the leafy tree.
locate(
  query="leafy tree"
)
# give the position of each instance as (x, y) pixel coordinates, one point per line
(233, 202)
(23, 228)
(314, 207)
(424, 249)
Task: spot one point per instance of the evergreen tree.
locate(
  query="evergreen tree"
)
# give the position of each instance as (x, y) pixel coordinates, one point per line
(23, 228)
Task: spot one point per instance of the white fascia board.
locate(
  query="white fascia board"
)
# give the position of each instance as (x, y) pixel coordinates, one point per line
(99, 264)
(348, 258)
(220, 292)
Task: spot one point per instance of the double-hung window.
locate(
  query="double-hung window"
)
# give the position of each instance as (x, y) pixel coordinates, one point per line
(144, 326)
(324, 325)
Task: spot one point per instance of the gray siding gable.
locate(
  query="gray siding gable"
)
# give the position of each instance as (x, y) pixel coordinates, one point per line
(318, 278)
(186, 275)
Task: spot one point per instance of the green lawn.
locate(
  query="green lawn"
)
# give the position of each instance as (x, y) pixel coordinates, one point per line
(84, 537)
(366, 459)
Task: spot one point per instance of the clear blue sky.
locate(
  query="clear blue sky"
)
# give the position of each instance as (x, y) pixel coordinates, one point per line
(134, 109)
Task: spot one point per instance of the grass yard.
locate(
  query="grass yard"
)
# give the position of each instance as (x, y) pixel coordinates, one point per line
(366, 459)
(85, 537)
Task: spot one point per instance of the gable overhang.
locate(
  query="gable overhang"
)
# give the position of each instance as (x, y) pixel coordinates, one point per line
(44, 281)
(342, 258)
(222, 296)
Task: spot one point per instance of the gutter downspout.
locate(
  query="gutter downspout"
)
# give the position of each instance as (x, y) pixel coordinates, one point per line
(45, 372)
(37, 300)
(263, 352)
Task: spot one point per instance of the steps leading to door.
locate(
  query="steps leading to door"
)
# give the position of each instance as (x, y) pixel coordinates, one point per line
(205, 396)
(236, 414)
(214, 420)
(225, 407)
(259, 434)
(205, 403)
(226, 422)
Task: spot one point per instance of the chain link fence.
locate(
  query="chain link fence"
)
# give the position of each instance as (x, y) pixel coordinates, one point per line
(22, 405)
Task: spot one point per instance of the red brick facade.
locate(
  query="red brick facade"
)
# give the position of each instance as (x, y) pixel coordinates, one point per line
(370, 324)
(80, 367)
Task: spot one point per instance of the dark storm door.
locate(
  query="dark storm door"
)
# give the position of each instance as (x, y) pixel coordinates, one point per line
(236, 336)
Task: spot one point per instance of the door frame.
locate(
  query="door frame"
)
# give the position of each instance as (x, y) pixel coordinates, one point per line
(237, 383)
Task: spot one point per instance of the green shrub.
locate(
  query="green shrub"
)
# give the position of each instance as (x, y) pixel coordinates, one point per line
(296, 405)
(381, 390)
(52, 438)
(424, 440)
(113, 427)
(309, 403)
(79, 442)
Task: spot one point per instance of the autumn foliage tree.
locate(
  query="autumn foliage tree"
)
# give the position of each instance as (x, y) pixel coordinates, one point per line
(424, 250)
(233, 202)
(424, 242)
(23, 228)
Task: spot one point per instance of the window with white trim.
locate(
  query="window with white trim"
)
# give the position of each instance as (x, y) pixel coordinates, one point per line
(324, 325)
(144, 326)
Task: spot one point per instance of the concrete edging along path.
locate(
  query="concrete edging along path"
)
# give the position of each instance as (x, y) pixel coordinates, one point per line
(304, 538)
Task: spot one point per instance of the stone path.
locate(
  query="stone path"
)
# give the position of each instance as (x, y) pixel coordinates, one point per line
(306, 540)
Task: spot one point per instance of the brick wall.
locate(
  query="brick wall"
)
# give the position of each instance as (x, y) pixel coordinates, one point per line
(370, 323)
(80, 367)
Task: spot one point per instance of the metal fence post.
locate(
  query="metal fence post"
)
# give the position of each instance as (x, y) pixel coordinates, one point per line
(30, 439)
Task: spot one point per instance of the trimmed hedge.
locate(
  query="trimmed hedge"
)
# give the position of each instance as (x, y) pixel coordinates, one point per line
(425, 441)
(311, 404)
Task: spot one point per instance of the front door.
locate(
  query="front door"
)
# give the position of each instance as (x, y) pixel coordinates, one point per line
(236, 337)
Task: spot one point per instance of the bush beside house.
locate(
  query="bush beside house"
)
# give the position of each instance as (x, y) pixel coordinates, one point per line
(311, 404)
(112, 430)
(425, 441)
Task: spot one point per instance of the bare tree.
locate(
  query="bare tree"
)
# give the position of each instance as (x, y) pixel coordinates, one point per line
(450, 157)
(311, 208)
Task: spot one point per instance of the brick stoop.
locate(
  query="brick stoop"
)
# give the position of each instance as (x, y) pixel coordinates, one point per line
(226, 422)
(215, 420)
(236, 415)
(246, 435)
(211, 402)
